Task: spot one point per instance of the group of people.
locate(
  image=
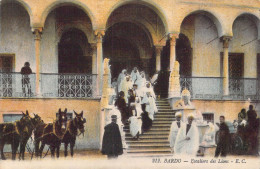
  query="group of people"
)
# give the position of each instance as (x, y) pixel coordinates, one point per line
(134, 104)
(184, 137)
(135, 101)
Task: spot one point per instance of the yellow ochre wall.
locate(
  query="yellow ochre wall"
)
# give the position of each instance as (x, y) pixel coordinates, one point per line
(47, 108)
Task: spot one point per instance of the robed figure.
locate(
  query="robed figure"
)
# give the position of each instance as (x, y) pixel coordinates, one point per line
(112, 142)
(187, 140)
(175, 126)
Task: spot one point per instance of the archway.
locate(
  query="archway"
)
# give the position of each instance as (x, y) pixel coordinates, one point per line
(71, 53)
(132, 32)
(183, 55)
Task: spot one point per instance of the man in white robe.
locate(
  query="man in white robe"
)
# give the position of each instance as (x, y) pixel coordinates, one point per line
(135, 126)
(135, 75)
(176, 125)
(141, 82)
(187, 140)
(150, 105)
(125, 86)
(120, 78)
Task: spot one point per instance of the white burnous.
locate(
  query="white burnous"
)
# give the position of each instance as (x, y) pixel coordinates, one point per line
(187, 140)
(175, 126)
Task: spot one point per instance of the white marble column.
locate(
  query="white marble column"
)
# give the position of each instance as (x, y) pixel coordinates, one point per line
(225, 40)
(99, 59)
(94, 58)
(37, 39)
(173, 37)
(158, 51)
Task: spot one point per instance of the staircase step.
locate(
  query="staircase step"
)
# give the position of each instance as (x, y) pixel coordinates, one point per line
(157, 141)
(147, 146)
(152, 133)
(166, 110)
(154, 130)
(150, 137)
(154, 151)
(147, 155)
(164, 115)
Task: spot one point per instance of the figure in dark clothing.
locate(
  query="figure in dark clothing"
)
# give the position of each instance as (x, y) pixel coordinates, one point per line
(146, 121)
(131, 102)
(112, 142)
(252, 128)
(224, 138)
(121, 105)
(26, 71)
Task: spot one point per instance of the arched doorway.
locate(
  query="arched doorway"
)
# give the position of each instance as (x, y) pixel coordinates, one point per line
(71, 53)
(183, 55)
(124, 51)
(132, 32)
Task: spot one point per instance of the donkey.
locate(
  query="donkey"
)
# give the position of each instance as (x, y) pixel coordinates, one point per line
(16, 134)
(51, 134)
(77, 123)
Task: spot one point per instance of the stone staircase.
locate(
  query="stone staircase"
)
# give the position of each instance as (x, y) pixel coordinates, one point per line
(155, 141)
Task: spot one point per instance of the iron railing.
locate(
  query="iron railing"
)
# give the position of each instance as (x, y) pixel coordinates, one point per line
(211, 88)
(17, 85)
(69, 85)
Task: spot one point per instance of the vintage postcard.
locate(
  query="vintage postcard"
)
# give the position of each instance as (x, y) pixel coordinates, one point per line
(129, 84)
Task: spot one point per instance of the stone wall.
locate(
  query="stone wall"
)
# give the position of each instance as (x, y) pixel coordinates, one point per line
(47, 109)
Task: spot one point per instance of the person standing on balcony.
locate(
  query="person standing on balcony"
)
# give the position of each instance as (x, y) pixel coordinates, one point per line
(26, 71)
(224, 138)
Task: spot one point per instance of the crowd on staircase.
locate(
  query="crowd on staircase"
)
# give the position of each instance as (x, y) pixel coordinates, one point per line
(135, 100)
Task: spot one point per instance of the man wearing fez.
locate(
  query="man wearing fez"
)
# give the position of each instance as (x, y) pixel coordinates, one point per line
(224, 138)
(112, 142)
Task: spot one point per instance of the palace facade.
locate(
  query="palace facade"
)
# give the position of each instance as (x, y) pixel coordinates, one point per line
(65, 42)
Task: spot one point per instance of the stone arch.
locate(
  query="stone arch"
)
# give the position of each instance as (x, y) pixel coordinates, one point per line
(22, 3)
(153, 6)
(146, 27)
(215, 19)
(90, 36)
(251, 16)
(74, 3)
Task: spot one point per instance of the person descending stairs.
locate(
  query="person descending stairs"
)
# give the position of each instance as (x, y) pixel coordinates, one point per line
(155, 141)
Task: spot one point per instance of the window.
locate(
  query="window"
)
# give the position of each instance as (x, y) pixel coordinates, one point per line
(12, 117)
(208, 117)
(6, 63)
(235, 65)
(69, 116)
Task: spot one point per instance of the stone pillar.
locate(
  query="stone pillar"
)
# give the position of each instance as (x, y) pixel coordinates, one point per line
(172, 37)
(158, 51)
(94, 58)
(99, 38)
(225, 40)
(37, 39)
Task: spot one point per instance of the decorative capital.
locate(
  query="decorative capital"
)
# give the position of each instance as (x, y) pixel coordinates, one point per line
(99, 35)
(158, 49)
(172, 37)
(37, 33)
(225, 40)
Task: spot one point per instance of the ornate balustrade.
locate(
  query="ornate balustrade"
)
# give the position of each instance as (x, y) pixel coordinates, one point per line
(210, 88)
(69, 85)
(17, 85)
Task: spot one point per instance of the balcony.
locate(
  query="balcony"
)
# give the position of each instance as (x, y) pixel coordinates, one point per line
(211, 88)
(15, 85)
